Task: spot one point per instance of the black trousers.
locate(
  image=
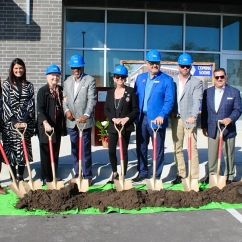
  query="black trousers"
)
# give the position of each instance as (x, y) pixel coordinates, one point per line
(112, 144)
(46, 171)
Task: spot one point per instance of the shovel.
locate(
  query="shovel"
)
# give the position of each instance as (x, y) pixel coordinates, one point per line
(16, 187)
(216, 179)
(54, 184)
(190, 183)
(31, 185)
(82, 184)
(154, 184)
(121, 184)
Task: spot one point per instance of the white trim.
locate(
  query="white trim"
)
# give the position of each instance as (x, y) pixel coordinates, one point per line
(235, 214)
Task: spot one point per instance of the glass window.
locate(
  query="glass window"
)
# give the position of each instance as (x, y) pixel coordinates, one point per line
(170, 56)
(164, 31)
(114, 57)
(232, 33)
(93, 64)
(84, 28)
(125, 29)
(202, 32)
(198, 57)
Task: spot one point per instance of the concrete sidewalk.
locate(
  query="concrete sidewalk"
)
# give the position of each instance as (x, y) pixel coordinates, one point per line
(102, 167)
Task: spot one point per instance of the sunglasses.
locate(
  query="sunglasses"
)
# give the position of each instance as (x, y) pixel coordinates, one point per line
(183, 66)
(118, 77)
(154, 63)
(221, 77)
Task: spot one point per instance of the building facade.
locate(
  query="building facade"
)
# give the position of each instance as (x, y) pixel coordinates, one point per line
(107, 31)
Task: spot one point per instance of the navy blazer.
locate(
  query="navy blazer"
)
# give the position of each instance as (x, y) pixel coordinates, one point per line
(230, 107)
(128, 108)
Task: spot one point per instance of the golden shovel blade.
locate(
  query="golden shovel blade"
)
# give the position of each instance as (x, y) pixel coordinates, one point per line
(83, 184)
(217, 181)
(190, 184)
(154, 184)
(34, 185)
(18, 188)
(55, 185)
(122, 184)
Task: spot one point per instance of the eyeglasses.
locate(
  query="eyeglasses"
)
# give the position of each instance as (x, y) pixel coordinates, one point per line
(221, 77)
(154, 63)
(183, 66)
(118, 77)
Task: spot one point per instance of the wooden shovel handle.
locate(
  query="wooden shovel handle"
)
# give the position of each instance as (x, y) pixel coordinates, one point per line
(50, 144)
(21, 133)
(221, 130)
(80, 129)
(120, 141)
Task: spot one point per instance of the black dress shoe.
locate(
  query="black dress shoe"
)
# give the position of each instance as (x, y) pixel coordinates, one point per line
(139, 178)
(228, 182)
(178, 180)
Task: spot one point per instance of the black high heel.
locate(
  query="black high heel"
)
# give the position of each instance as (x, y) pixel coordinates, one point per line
(116, 178)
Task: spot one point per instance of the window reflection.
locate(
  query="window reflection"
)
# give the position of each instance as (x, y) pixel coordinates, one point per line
(93, 64)
(113, 59)
(164, 31)
(91, 22)
(232, 33)
(125, 29)
(202, 32)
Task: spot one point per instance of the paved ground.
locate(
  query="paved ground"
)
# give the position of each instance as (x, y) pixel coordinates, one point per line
(195, 226)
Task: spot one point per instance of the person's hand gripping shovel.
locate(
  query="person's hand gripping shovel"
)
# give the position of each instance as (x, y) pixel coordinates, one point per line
(16, 187)
(121, 184)
(216, 179)
(190, 183)
(83, 184)
(30, 185)
(54, 184)
(153, 184)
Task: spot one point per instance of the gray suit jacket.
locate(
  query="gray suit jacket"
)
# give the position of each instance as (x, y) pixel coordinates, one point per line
(83, 102)
(190, 99)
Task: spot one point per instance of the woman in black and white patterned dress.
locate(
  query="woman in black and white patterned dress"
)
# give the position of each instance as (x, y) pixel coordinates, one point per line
(18, 110)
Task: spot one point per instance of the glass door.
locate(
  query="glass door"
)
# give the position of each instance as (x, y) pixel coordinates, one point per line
(233, 65)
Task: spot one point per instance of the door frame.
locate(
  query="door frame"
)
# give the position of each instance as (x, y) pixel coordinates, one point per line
(232, 70)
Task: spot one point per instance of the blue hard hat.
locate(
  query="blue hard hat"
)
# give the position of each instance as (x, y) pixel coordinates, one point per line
(77, 61)
(120, 70)
(53, 69)
(185, 59)
(153, 55)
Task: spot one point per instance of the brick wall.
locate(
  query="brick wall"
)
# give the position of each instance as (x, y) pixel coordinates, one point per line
(38, 44)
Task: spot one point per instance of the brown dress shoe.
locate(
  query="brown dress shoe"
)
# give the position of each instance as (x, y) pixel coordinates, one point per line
(2, 191)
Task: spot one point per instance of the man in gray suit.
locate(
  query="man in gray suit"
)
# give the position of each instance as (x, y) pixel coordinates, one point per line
(189, 91)
(79, 102)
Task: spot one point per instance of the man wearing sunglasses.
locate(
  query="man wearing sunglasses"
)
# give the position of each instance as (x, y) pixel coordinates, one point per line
(155, 92)
(221, 102)
(79, 102)
(188, 96)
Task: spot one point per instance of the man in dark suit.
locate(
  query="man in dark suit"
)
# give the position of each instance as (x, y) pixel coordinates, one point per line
(79, 102)
(155, 92)
(221, 102)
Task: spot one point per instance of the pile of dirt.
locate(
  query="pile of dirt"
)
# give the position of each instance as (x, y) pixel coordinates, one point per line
(69, 198)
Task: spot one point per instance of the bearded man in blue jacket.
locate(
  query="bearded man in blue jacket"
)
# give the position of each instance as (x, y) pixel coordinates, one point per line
(155, 93)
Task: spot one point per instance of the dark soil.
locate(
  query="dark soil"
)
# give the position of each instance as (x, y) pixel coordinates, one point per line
(69, 198)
